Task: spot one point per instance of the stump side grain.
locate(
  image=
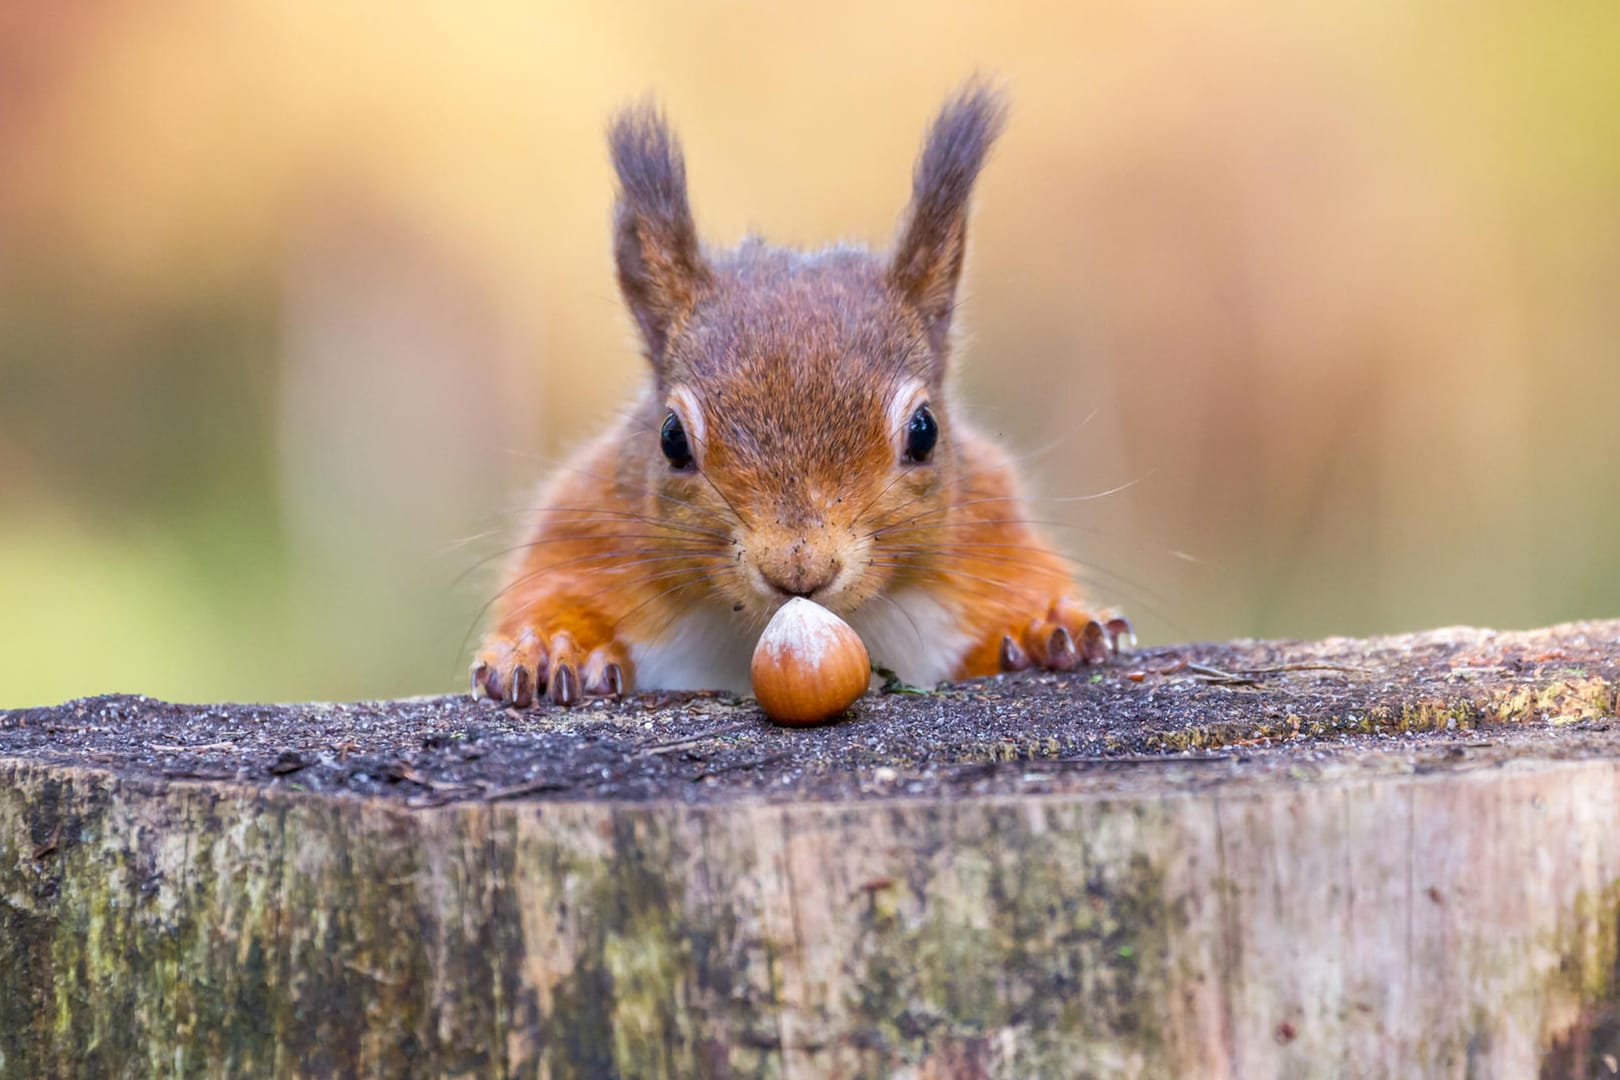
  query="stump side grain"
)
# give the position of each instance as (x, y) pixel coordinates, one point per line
(1401, 925)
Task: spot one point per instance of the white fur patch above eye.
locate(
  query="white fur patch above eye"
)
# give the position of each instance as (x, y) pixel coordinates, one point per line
(911, 394)
(684, 404)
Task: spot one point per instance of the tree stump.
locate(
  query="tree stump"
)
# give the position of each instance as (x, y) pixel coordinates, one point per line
(1383, 857)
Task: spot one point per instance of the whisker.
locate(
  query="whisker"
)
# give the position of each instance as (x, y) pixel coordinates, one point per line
(881, 595)
(450, 547)
(621, 413)
(896, 540)
(970, 551)
(596, 512)
(702, 578)
(1121, 535)
(644, 579)
(656, 631)
(894, 519)
(1043, 522)
(999, 584)
(524, 579)
(952, 547)
(967, 551)
(893, 481)
(664, 543)
(618, 562)
(1144, 598)
(1026, 457)
(938, 510)
(640, 579)
(1091, 497)
(723, 498)
(462, 542)
(1095, 495)
(615, 481)
(702, 445)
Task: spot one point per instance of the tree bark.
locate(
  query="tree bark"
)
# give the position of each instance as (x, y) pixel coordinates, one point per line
(1390, 857)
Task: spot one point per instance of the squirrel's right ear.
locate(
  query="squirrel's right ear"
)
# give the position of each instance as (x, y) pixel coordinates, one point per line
(655, 244)
(933, 240)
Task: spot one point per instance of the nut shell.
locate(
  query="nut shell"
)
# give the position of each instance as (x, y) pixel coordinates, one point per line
(809, 665)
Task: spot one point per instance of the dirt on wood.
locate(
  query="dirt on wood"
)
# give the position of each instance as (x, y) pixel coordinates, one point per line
(1181, 716)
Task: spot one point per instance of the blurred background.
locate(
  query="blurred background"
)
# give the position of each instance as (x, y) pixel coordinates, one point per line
(297, 301)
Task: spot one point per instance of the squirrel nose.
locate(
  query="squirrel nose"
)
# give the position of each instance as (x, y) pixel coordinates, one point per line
(803, 577)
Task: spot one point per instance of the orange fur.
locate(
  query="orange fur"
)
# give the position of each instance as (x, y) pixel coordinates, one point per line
(797, 382)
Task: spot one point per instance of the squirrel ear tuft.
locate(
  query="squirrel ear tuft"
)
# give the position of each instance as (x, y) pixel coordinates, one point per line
(655, 244)
(927, 262)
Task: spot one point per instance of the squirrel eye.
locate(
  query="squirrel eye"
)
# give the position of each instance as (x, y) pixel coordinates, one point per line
(922, 432)
(672, 440)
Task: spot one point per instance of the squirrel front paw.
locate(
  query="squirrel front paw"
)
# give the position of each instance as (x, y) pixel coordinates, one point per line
(535, 665)
(1065, 637)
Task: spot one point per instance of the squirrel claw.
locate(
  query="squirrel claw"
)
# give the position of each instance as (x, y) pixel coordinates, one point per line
(516, 689)
(564, 686)
(1093, 642)
(1013, 656)
(520, 694)
(1060, 651)
(1067, 637)
(536, 667)
(1120, 630)
(602, 676)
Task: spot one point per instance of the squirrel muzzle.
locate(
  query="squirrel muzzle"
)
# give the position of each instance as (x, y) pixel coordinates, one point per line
(806, 563)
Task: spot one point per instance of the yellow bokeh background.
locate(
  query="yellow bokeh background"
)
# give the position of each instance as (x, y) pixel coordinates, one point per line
(297, 301)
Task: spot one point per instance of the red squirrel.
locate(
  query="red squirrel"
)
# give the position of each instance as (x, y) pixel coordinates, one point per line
(796, 438)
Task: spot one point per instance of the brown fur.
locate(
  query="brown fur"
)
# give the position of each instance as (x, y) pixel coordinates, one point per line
(789, 363)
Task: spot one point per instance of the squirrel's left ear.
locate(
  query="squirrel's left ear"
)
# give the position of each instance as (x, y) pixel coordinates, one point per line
(933, 238)
(661, 267)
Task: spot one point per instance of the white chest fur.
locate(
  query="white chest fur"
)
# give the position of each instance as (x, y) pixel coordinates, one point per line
(909, 632)
(913, 635)
(704, 649)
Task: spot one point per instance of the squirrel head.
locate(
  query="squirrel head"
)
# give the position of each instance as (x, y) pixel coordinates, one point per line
(799, 407)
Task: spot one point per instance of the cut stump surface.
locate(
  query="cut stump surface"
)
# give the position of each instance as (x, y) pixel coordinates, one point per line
(1387, 856)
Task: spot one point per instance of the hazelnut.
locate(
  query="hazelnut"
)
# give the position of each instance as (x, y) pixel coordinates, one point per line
(809, 665)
